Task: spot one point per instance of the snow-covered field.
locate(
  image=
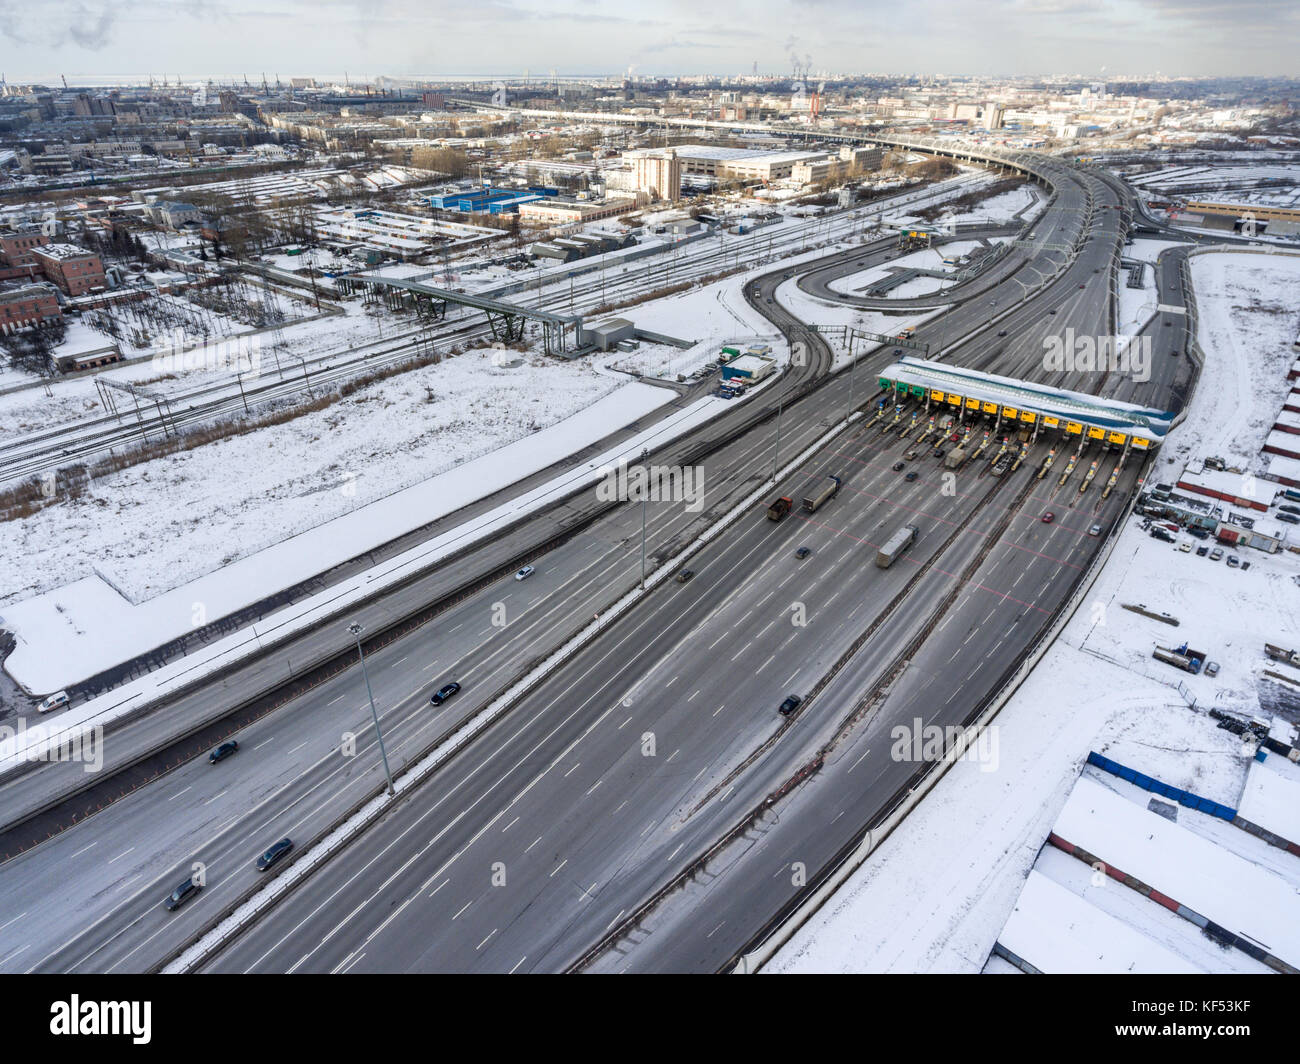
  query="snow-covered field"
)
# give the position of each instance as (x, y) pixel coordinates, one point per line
(165, 522)
(72, 399)
(936, 894)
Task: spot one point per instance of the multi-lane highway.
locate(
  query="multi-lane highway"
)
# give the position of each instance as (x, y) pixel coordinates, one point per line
(553, 827)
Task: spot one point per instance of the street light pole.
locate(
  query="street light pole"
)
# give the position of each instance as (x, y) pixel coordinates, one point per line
(356, 630)
(776, 451)
(852, 370)
(643, 542)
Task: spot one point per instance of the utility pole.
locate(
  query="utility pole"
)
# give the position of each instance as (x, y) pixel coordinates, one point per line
(776, 450)
(356, 631)
(852, 370)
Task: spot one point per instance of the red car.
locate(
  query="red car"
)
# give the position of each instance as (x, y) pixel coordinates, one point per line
(1049, 517)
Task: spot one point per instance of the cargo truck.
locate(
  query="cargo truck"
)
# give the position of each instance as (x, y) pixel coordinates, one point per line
(825, 493)
(779, 508)
(955, 458)
(895, 545)
(1180, 658)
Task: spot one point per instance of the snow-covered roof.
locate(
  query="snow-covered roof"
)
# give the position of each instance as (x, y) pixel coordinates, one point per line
(1138, 421)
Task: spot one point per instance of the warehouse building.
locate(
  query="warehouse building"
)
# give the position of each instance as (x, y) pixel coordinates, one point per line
(749, 368)
(740, 164)
(557, 210)
(607, 334)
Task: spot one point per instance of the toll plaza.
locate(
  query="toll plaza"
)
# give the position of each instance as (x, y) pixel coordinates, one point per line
(966, 415)
(969, 393)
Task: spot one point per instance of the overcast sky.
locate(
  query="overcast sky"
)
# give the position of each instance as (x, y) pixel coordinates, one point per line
(1096, 38)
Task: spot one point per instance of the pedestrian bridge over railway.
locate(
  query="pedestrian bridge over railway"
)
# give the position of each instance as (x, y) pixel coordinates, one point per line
(970, 393)
(505, 319)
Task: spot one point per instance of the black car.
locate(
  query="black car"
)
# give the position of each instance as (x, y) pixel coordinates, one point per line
(803, 552)
(1002, 332)
(911, 476)
(1202, 551)
(684, 575)
(444, 692)
(790, 705)
(1290, 509)
(1199, 533)
(898, 466)
(223, 751)
(274, 854)
(181, 895)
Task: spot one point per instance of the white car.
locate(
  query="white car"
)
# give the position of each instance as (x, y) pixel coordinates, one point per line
(525, 572)
(54, 701)
(1185, 546)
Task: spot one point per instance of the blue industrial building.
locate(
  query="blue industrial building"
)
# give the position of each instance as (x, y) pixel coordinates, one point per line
(492, 200)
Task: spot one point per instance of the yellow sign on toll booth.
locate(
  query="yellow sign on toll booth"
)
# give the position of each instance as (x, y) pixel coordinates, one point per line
(1028, 417)
(989, 408)
(1116, 437)
(1051, 421)
(1140, 444)
(1073, 428)
(1010, 412)
(1095, 433)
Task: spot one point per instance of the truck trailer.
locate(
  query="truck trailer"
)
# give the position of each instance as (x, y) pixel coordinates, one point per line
(895, 545)
(824, 494)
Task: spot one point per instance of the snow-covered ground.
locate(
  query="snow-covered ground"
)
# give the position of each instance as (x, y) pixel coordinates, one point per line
(937, 893)
(928, 258)
(72, 399)
(162, 523)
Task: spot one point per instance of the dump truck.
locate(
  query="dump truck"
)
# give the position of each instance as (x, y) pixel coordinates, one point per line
(779, 508)
(823, 494)
(895, 545)
(1181, 658)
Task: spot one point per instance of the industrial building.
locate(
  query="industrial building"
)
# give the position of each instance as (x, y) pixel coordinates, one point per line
(74, 270)
(490, 200)
(609, 333)
(749, 368)
(738, 164)
(561, 211)
(658, 173)
(20, 307)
